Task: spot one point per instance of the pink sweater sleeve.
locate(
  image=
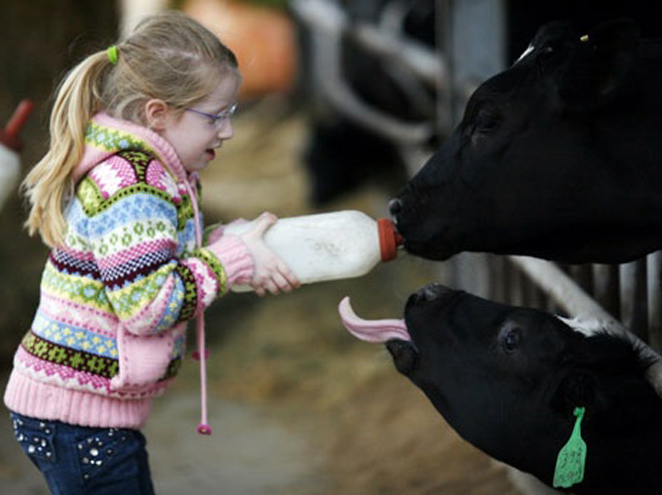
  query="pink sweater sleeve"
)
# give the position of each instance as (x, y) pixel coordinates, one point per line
(234, 257)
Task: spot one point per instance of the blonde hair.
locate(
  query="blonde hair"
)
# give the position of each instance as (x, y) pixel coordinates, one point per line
(168, 56)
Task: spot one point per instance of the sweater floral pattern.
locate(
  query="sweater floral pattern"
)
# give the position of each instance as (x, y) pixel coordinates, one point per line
(109, 332)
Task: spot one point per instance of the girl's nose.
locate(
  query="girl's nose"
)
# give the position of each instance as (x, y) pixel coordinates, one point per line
(226, 131)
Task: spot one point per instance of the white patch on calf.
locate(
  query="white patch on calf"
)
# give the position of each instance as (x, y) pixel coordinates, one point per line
(585, 327)
(528, 50)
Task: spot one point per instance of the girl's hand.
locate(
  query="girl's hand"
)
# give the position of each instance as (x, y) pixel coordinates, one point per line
(217, 233)
(271, 273)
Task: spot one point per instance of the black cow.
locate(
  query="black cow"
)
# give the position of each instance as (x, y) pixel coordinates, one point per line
(558, 157)
(508, 380)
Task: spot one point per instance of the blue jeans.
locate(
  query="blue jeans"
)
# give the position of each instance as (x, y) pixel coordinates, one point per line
(76, 460)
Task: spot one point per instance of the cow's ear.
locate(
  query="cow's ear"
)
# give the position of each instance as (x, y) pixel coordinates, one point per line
(577, 388)
(599, 66)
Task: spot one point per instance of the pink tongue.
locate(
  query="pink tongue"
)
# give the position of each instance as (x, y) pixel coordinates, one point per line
(376, 331)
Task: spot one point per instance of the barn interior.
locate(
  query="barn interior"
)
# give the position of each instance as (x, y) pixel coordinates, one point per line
(299, 406)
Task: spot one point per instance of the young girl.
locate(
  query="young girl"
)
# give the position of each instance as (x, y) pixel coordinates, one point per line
(116, 198)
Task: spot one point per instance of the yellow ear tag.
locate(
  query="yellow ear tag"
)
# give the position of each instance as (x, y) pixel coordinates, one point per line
(584, 38)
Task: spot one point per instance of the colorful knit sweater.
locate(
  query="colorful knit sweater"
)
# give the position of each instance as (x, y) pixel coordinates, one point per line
(109, 332)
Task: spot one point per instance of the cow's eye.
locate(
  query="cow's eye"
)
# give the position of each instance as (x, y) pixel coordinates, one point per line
(486, 120)
(510, 337)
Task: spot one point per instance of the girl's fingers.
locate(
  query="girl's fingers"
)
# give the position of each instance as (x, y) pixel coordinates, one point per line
(274, 283)
(284, 277)
(282, 283)
(263, 222)
(271, 286)
(291, 279)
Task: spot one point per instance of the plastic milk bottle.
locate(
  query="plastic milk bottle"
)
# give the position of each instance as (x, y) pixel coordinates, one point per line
(329, 246)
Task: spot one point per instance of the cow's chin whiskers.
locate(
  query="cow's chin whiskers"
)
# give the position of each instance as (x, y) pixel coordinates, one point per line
(403, 354)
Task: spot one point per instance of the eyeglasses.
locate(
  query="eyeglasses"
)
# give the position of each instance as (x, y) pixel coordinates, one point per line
(218, 118)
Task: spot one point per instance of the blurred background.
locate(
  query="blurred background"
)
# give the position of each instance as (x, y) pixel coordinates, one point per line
(341, 102)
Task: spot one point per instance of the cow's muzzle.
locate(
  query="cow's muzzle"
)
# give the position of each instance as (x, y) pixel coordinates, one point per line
(435, 292)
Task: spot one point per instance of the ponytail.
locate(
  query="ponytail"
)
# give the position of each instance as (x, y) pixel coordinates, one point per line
(49, 184)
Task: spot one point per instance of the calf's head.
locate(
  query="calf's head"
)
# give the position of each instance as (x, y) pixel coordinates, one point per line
(555, 157)
(508, 380)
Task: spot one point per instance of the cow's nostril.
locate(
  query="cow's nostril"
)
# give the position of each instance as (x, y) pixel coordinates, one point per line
(434, 292)
(395, 206)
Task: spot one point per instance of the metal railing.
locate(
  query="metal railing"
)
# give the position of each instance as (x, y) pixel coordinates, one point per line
(629, 293)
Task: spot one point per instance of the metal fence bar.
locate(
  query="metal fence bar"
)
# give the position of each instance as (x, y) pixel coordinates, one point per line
(634, 297)
(654, 274)
(606, 288)
(562, 288)
(630, 294)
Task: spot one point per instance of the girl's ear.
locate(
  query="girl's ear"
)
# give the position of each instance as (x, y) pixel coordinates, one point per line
(156, 113)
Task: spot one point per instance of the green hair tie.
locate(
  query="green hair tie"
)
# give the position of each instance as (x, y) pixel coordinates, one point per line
(112, 54)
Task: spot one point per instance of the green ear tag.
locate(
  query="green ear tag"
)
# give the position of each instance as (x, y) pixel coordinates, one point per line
(572, 457)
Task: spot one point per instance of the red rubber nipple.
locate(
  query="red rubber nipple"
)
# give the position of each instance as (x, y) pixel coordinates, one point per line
(389, 239)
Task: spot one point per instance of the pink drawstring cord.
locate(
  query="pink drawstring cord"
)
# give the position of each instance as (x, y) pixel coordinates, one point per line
(203, 427)
(201, 354)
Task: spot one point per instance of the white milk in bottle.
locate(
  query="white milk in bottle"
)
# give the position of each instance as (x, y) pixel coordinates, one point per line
(328, 246)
